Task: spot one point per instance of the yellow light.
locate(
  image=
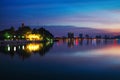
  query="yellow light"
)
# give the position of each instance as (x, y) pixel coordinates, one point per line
(34, 47)
(32, 37)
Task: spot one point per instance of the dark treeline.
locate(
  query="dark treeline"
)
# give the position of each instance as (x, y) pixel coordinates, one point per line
(19, 34)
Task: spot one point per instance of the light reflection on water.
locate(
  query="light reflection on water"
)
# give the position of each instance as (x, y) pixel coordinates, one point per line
(25, 50)
(65, 57)
(33, 47)
(68, 47)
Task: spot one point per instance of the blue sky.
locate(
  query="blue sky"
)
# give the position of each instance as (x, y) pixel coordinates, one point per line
(80, 13)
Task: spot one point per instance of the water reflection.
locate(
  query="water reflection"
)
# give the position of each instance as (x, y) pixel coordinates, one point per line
(85, 42)
(33, 47)
(68, 57)
(67, 46)
(26, 50)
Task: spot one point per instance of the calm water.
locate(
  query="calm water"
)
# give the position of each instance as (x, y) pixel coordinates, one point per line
(66, 59)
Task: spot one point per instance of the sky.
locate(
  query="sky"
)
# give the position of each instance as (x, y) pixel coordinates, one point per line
(103, 14)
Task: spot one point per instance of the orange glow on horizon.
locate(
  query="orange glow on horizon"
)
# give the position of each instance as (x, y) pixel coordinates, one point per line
(110, 30)
(113, 30)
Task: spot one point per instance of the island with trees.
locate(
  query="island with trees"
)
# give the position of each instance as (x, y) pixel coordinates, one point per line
(25, 33)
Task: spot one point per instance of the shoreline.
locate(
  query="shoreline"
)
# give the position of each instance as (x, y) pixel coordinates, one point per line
(2, 42)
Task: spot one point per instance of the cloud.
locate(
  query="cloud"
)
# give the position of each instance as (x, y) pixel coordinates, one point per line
(90, 13)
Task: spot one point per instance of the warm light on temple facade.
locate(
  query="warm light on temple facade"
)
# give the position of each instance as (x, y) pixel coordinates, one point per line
(32, 37)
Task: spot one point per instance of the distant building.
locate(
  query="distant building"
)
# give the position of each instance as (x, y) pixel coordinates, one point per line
(70, 35)
(80, 35)
(87, 36)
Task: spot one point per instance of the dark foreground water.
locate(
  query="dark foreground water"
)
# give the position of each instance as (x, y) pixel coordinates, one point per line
(63, 60)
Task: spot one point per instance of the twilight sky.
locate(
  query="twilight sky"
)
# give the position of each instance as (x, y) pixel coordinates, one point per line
(79, 13)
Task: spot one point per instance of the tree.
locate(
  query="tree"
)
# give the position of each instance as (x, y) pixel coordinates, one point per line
(45, 34)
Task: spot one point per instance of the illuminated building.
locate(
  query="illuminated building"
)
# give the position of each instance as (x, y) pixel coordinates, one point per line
(32, 37)
(26, 33)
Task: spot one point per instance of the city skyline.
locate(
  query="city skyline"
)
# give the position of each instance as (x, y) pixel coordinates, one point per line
(100, 14)
(59, 39)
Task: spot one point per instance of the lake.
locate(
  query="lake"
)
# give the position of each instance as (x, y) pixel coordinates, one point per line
(67, 59)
